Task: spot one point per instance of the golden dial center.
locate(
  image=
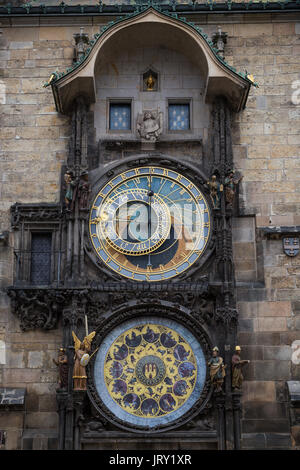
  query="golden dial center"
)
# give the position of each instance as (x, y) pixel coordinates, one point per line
(150, 224)
(135, 223)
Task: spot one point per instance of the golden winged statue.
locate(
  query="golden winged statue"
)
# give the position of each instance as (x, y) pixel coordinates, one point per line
(81, 348)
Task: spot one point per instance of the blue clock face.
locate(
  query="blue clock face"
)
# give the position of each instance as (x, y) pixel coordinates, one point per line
(150, 372)
(149, 224)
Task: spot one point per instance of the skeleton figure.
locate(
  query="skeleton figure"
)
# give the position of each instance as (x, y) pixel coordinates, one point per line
(215, 189)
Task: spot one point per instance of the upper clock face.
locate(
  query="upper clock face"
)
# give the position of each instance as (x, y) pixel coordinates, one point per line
(149, 224)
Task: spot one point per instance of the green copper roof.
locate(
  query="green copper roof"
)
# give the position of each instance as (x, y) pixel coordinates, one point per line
(57, 7)
(55, 76)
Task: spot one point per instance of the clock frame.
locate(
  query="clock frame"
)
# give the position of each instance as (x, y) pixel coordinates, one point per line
(182, 213)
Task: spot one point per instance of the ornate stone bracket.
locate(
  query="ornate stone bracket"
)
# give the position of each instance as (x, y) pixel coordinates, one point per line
(41, 308)
(36, 308)
(34, 213)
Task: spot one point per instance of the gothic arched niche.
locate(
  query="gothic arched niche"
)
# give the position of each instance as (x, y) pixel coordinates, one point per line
(220, 79)
(175, 77)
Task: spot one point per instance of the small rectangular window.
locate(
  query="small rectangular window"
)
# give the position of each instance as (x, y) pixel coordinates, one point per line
(120, 116)
(41, 258)
(179, 116)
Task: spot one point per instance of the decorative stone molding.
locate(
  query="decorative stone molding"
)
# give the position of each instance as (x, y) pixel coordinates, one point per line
(29, 213)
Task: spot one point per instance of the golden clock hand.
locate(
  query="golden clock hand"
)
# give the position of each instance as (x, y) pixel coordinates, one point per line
(150, 194)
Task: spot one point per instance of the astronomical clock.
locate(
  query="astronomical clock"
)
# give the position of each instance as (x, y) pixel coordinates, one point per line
(149, 372)
(134, 263)
(149, 224)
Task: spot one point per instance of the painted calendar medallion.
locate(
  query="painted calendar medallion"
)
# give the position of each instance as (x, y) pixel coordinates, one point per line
(150, 371)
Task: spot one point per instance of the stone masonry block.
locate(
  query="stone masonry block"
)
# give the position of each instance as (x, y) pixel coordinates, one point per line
(35, 359)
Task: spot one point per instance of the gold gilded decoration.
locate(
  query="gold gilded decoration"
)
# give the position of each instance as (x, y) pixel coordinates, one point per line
(82, 348)
(150, 370)
(149, 224)
(150, 83)
(252, 79)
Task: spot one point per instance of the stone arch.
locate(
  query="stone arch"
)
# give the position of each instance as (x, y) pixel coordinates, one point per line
(220, 78)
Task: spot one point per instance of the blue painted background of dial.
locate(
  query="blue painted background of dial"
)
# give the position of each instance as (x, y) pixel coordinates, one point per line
(174, 189)
(113, 406)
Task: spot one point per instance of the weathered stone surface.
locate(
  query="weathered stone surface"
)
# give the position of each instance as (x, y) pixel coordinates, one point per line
(262, 425)
(11, 419)
(259, 338)
(273, 309)
(272, 370)
(264, 410)
(47, 403)
(39, 419)
(253, 441)
(280, 353)
(35, 359)
(272, 324)
(32, 402)
(278, 441)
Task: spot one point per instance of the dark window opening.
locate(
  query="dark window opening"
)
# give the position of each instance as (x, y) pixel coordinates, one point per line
(41, 258)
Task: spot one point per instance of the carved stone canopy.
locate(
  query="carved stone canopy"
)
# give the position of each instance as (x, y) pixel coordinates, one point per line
(149, 25)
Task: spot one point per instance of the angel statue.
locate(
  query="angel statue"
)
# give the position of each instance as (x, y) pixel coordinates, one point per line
(81, 358)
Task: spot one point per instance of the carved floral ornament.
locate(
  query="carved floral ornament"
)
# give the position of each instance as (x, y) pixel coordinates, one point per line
(222, 79)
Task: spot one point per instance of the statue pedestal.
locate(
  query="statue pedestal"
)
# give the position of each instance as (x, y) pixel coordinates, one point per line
(148, 145)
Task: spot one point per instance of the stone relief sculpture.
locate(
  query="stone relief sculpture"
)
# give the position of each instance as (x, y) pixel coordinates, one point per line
(149, 125)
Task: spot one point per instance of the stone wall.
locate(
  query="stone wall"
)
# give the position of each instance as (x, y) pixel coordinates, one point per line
(266, 151)
(34, 141)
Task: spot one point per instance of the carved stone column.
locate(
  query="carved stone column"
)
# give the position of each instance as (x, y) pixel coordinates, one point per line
(236, 405)
(226, 313)
(77, 165)
(78, 399)
(220, 407)
(62, 399)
